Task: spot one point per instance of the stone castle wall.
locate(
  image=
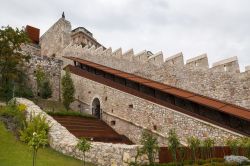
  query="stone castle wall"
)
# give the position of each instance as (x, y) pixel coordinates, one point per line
(52, 69)
(56, 38)
(101, 154)
(133, 114)
(223, 81)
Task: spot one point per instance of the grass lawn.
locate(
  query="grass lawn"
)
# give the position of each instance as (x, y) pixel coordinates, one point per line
(48, 105)
(57, 108)
(16, 153)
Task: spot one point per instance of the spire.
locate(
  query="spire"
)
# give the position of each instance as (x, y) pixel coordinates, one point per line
(63, 16)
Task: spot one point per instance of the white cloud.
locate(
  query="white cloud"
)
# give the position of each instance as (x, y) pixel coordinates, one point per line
(219, 28)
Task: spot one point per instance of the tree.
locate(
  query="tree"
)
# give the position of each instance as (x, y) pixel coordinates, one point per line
(12, 59)
(83, 145)
(173, 143)
(150, 146)
(46, 91)
(68, 89)
(193, 144)
(43, 84)
(35, 134)
(233, 144)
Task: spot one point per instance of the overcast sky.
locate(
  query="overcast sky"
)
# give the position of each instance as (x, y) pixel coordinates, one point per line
(220, 28)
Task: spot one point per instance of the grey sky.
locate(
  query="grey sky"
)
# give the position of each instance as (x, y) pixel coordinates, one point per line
(219, 28)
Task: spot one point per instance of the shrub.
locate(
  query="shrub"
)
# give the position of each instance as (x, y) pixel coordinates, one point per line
(45, 90)
(233, 145)
(13, 117)
(35, 134)
(207, 145)
(193, 144)
(83, 145)
(150, 146)
(173, 143)
(244, 143)
(21, 107)
(43, 84)
(68, 89)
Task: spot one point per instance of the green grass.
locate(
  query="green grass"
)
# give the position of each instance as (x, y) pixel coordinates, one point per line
(16, 153)
(57, 108)
(70, 113)
(48, 105)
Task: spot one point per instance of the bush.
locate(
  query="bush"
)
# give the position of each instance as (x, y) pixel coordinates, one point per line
(234, 145)
(45, 90)
(83, 145)
(37, 124)
(35, 134)
(21, 107)
(13, 117)
(68, 89)
(150, 146)
(173, 143)
(193, 144)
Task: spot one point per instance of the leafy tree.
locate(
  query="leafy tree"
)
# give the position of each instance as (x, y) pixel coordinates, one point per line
(245, 144)
(12, 59)
(40, 77)
(193, 144)
(234, 145)
(68, 89)
(207, 145)
(173, 143)
(83, 145)
(43, 84)
(150, 146)
(45, 90)
(35, 134)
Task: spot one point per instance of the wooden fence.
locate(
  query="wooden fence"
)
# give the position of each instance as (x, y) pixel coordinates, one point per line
(165, 154)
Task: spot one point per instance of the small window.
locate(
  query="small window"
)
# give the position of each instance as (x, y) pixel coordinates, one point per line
(89, 92)
(131, 106)
(225, 68)
(155, 127)
(112, 123)
(106, 98)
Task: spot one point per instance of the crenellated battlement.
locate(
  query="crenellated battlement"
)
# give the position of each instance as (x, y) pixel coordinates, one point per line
(222, 81)
(200, 62)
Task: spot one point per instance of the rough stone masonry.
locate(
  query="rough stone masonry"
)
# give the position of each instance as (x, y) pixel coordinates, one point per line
(223, 82)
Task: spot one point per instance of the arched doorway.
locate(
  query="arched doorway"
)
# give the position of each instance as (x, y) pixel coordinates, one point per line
(96, 109)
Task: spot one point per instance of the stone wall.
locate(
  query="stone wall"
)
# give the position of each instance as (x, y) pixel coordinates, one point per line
(52, 68)
(133, 114)
(222, 82)
(103, 154)
(56, 38)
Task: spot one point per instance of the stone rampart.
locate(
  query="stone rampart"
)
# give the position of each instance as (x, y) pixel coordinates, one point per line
(101, 154)
(223, 81)
(132, 114)
(52, 68)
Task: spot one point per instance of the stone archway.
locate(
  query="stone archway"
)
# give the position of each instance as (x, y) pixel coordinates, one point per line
(96, 108)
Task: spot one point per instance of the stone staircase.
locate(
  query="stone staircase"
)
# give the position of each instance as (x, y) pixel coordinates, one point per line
(92, 129)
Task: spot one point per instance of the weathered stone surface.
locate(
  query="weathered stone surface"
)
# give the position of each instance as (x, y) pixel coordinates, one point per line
(144, 115)
(62, 140)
